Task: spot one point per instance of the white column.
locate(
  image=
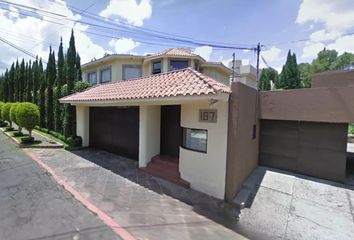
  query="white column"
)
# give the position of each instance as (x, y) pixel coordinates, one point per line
(164, 65)
(83, 124)
(149, 133)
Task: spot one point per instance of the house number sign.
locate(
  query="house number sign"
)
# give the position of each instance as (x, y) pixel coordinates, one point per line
(208, 115)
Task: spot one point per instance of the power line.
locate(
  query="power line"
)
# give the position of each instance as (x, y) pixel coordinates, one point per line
(134, 31)
(19, 48)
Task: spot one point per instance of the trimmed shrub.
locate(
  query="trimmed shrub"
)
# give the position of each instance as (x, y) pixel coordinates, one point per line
(27, 140)
(74, 141)
(28, 116)
(5, 113)
(1, 105)
(13, 116)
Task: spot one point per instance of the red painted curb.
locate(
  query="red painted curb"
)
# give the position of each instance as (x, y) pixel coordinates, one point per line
(119, 230)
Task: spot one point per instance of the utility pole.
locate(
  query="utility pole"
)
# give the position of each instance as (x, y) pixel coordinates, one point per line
(233, 67)
(258, 50)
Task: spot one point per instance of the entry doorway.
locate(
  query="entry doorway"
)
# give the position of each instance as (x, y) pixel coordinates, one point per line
(171, 131)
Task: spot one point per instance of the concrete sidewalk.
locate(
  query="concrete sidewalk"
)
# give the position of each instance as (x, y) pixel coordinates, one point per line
(147, 207)
(284, 205)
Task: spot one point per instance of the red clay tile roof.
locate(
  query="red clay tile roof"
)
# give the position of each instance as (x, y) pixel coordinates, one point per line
(184, 82)
(184, 52)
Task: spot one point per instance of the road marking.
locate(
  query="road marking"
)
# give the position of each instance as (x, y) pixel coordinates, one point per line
(119, 230)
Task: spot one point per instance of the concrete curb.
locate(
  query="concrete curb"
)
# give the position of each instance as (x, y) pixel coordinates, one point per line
(119, 230)
(20, 145)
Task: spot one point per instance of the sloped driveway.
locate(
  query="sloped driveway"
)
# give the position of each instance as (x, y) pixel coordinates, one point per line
(291, 206)
(147, 207)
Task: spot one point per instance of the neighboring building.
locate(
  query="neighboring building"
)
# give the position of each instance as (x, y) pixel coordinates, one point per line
(246, 74)
(118, 67)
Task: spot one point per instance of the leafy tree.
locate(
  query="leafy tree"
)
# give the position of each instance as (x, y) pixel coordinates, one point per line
(71, 74)
(17, 80)
(5, 112)
(342, 61)
(305, 71)
(324, 60)
(81, 86)
(267, 75)
(28, 116)
(50, 75)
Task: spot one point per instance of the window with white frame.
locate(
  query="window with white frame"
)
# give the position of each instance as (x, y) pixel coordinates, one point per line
(92, 78)
(156, 67)
(106, 75)
(195, 139)
(131, 71)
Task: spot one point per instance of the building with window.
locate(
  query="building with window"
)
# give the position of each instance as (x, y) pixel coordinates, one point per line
(117, 67)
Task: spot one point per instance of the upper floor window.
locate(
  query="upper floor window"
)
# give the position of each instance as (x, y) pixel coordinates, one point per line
(178, 64)
(92, 78)
(156, 67)
(106, 75)
(131, 71)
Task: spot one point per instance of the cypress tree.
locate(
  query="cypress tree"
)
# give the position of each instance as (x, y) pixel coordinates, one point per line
(35, 81)
(60, 80)
(42, 98)
(17, 73)
(11, 83)
(71, 71)
(5, 87)
(29, 83)
(78, 68)
(50, 75)
(290, 77)
(21, 80)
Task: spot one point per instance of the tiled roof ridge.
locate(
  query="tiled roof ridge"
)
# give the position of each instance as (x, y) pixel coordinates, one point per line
(209, 81)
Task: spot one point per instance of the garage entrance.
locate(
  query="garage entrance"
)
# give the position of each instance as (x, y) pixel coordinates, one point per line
(115, 130)
(310, 148)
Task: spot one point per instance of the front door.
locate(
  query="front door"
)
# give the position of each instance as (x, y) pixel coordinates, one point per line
(171, 131)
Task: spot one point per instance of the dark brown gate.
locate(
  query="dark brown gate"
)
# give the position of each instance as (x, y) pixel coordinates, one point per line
(115, 130)
(171, 131)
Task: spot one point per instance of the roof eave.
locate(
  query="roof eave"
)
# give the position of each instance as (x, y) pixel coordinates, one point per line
(221, 96)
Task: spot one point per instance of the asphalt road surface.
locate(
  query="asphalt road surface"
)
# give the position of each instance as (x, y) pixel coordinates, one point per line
(33, 206)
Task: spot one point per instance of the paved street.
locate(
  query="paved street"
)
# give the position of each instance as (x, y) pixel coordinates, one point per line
(292, 206)
(33, 206)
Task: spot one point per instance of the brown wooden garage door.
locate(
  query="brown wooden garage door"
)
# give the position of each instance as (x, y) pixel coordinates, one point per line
(115, 130)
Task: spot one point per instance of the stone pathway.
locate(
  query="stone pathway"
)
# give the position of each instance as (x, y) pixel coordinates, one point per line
(149, 208)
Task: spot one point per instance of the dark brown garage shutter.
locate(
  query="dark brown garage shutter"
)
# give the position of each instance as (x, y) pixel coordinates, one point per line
(115, 130)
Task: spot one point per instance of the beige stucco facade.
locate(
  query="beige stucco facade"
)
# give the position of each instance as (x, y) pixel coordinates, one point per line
(116, 63)
(206, 171)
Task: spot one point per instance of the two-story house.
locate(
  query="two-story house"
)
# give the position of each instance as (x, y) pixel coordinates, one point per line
(169, 111)
(118, 67)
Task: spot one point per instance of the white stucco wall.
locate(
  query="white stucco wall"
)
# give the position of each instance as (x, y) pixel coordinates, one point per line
(206, 172)
(83, 124)
(149, 133)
